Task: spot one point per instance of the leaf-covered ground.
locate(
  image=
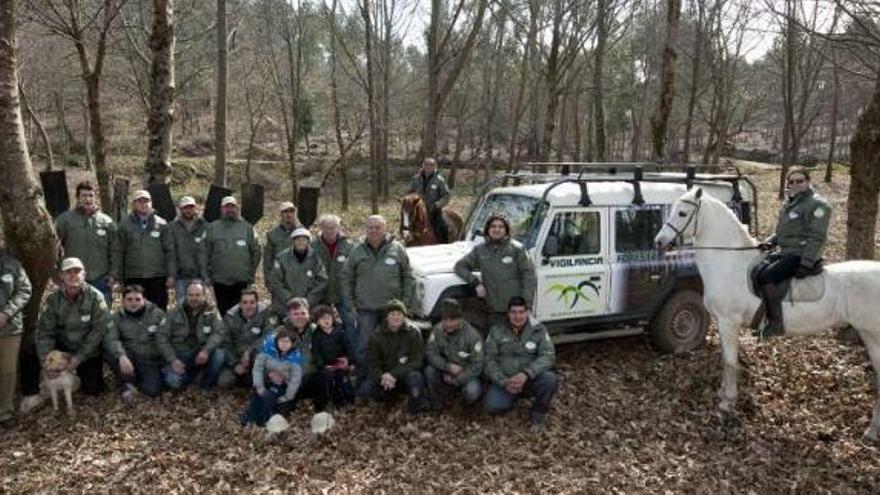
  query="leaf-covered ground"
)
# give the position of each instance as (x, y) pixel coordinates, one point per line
(625, 420)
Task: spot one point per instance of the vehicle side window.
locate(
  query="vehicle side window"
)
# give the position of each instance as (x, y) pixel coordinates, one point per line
(635, 229)
(577, 233)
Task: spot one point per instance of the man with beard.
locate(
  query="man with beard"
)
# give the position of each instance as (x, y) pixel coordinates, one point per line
(188, 234)
(278, 239)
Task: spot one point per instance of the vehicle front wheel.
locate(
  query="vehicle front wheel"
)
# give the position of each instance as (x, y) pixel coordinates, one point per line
(681, 324)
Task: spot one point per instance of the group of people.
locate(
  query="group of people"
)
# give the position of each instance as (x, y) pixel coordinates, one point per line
(335, 331)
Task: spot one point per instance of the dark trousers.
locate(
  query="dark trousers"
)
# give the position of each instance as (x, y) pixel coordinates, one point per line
(782, 267)
(314, 386)
(541, 389)
(147, 374)
(154, 290)
(441, 391)
(212, 369)
(228, 295)
(262, 406)
(439, 224)
(29, 368)
(412, 384)
(367, 321)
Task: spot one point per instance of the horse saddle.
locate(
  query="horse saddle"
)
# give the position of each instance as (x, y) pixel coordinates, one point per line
(808, 289)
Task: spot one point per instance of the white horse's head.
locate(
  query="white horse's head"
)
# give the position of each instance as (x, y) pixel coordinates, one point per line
(682, 221)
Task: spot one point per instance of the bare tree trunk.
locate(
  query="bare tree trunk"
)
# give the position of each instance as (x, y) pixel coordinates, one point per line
(660, 122)
(576, 125)
(788, 75)
(371, 104)
(696, 69)
(386, 102)
(598, 76)
(517, 111)
(44, 136)
(161, 118)
(220, 87)
(835, 109)
(337, 119)
(26, 223)
(861, 223)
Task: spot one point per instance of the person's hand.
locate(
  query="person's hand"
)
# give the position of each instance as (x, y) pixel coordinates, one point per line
(388, 381)
(342, 363)
(125, 366)
(481, 291)
(245, 359)
(202, 357)
(276, 377)
(449, 379)
(178, 366)
(765, 246)
(454, 368)
(260, 390)
(240, 369)
(515, 383)
(802, 272)
(73, 363)
(4, 319)
(169, 282)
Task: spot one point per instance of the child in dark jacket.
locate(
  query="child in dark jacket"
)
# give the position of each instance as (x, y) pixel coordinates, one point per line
(280, 361)
(332, 357)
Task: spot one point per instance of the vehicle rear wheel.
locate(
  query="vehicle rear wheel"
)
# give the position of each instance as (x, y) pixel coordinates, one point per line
(681, 324)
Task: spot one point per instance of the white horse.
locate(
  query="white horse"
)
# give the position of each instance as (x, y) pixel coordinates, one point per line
(724, 250)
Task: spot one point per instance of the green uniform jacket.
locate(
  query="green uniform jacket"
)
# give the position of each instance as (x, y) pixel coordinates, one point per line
(15, 292)
(243, 334)
(370, 278)
(803, 227)
(233, 252)
(434, 190)
(334, 265)
(135, 336)
(397, 352)
(506, 271)
(291, 278)
(464, 348)
(189, 247)
(305, 345)
(144, 252)
(506, 354)
(182, 334)
(277, 240)
(91, 238)
(74, 326)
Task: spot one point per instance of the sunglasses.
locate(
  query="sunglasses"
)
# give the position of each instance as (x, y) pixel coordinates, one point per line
(796, 181)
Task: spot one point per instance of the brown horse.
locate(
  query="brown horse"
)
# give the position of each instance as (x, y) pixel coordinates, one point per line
(416, 226)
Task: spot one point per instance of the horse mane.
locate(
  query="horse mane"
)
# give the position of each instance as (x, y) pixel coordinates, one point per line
(417, 209)
(717, 206)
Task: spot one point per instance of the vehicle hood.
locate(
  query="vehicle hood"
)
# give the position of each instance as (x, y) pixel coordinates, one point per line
(440, 258)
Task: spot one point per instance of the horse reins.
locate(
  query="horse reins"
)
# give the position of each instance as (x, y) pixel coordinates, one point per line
(679, 233)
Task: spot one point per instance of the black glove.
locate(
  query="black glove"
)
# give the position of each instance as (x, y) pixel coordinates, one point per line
(802, 271)
(765, 246)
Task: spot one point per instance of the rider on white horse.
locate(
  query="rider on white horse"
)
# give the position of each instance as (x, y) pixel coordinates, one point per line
(801, 233)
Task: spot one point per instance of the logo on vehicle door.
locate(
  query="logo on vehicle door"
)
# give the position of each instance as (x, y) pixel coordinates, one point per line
(571, 294)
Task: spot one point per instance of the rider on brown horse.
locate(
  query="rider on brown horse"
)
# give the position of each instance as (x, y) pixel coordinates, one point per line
(432, 188)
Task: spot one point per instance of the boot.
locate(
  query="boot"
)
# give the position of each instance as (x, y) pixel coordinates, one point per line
(773, 303)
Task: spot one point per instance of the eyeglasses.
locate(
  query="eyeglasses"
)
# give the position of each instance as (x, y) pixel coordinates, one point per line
(796, 181)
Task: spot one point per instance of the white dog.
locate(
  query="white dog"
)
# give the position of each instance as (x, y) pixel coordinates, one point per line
(56, 377)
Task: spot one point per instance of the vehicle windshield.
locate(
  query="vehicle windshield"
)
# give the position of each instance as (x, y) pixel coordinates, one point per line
(517, 208)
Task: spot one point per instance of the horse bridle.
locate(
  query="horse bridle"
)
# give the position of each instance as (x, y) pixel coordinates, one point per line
(679, 233)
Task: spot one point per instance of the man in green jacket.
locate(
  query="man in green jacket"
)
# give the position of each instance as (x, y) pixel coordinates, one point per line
(74, 320)
(394, 362)
(247, 323)
(800, 235)
(377, 271)
(191, 339)
(455, 359)
(15, 292)
(233, 254)
(278, 239)
(298, 272)
(433, 189)
(131, 345)
(145, 251)
(314, 384)
(88, 234)
(334, 249)
(505, 269)
(519, 358)
(188, 234)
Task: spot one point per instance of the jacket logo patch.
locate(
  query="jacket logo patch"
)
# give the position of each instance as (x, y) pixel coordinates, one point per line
(507, 260)
(403, 360)
(390, 261)
(463, 354)
(241, 242)
(151, 329)
(341, 258)
(7, 277)
(198, 240)
(793, 215)
(101, 232)
(309, 273)
(433, 186)
(478, 347)
(206, 329)
(85, 318)
(256, 330)
(155, 234)
(531, 345)
(819, 213)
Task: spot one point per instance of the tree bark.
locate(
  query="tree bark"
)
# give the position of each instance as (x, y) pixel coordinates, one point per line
(337, 118)
(598, 75)
(220, 100)
(696, 69)
(660, 122)
(26, 223)
(161, 118)
(518, 108)
(44, 136)
(861, 222)
(835, 109)
(371, 104)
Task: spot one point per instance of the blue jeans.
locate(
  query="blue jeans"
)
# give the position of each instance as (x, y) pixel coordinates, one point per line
(367, 321)
(262, 406)
(104, 287)
(348, 322)
(440, 391)
(215, 364)
(147, 375)
(541, 389)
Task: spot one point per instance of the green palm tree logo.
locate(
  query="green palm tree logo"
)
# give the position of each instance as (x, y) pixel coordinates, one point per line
(571, 294)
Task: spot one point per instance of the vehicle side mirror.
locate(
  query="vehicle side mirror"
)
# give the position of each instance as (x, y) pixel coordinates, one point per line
(551, 248)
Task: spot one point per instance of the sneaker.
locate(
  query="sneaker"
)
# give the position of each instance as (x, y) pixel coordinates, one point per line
(538, 425)
(31, 403)
(129, 395)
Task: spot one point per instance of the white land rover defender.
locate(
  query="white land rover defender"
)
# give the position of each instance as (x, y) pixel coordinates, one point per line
(591, 238)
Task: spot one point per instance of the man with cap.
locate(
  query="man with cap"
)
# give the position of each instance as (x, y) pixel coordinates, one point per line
(298, 272)
(519, 358)
(394, 362)
(433, 189)
(334, 249)
(191, 339)
(188, 234)
(89, 234)
(278, 239)
(233, 255)
(455, 358)
(15, 292)
(131, 347)
(247, 323)
(377, 271)
(505, 269)
(74, 319)
(145, 251)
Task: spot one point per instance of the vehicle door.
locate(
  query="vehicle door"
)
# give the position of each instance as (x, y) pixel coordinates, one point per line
(638, 270)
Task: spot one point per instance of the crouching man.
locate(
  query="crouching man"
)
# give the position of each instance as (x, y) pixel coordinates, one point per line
(394, 360)
(131, 345)
(246, 325)
(455, 359)
(519, 355)
(190, 341)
